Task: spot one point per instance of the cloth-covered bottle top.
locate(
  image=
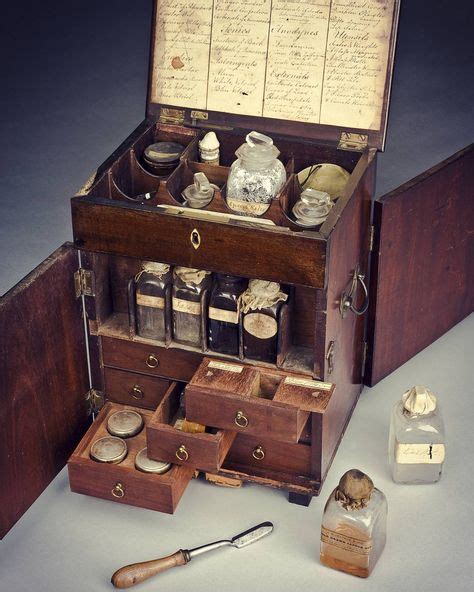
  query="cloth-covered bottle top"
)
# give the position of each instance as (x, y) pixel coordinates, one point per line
(189, 275)
(419, 400)
(354, 490)
(261, 294)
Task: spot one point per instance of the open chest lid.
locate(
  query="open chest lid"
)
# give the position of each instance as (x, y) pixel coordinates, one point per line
(319, 69)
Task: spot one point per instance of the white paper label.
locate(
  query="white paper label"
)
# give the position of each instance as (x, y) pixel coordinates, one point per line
(306, 382)
(260, 325)
(415, 454)
(225, 366)
(228, 316)
(151, 301)
(345, 542)
(247, 207)
(180, 305)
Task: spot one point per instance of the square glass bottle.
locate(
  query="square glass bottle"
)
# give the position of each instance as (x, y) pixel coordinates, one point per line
(354, 525)
(416, 440)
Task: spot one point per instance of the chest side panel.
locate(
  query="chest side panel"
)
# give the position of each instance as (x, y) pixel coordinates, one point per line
(423, 264)
(43, 370)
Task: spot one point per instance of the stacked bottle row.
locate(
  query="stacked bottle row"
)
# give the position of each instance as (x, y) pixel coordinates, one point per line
(229, 315)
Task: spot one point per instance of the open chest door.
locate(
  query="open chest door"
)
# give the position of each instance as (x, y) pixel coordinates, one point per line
(422, 274)
(43, 382)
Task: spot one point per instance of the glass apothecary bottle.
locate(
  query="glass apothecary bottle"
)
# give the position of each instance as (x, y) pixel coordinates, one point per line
(416, 440)
(261, 304)
(223, 314)
(151, 294)
(353, 527)
(256, 177)
(188, 287)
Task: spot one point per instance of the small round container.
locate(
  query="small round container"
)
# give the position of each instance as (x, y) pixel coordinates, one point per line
(146, 465)
(125, 424)
(162, 158)
(109, 449)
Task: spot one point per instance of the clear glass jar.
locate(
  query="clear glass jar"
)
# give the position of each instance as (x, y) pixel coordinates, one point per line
(416, 440)
(189, 286)
(261, 304)
(151, 295)
(354, 524)
(223, 314)
(256, 176)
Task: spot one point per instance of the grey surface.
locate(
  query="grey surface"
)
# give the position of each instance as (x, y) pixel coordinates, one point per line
(72, 542)
(75, 83)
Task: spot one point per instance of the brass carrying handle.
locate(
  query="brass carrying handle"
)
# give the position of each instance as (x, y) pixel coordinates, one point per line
(152, 361)
(182, 454)
(118, 490)
(347, 298)
(137, 392)
(241, 420)
(258, 453)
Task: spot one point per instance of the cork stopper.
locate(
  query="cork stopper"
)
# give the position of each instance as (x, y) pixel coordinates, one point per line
(354, 490)
(419, 400)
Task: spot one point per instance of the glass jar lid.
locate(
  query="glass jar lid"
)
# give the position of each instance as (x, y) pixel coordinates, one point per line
(258, 150)
(200, 193)
(312, 207)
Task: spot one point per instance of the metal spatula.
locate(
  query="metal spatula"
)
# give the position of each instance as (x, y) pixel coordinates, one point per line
(133, 574)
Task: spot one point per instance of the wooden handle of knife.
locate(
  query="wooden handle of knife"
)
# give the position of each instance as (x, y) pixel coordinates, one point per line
(128, 576)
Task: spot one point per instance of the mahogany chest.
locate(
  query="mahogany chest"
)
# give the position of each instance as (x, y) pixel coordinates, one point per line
(377, 283)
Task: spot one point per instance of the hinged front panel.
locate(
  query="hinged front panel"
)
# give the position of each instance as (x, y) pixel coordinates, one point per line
(422, 277)
(43, 370)
(304, 68)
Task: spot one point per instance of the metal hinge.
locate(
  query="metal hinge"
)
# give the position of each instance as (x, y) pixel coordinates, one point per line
(352, 141)
(95, 400)
(84, 282)
(371, 238)
(330, 356)
(169, 115)
(364, 357)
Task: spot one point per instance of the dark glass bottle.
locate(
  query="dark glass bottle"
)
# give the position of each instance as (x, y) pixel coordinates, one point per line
(261, 304)
(188, 287)
(151, 299)
(223, 314)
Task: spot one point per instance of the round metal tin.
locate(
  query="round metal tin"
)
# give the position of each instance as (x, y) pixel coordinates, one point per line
(109, 449)
(125, 424)
(145, 464)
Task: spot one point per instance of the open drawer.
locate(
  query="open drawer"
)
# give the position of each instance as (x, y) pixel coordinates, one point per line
(253, 400)
(123, 482)
(166, 441)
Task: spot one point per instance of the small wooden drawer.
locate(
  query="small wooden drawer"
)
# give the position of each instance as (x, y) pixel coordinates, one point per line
(205, 451)
(258, 453)
(175, 364)
(254, 400)
(122, 482)
(130, 388)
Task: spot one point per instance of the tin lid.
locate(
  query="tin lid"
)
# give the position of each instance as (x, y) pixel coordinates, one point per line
(163, 152)
(147, 465)
(124, 424)
(109, 449)
(317, 71)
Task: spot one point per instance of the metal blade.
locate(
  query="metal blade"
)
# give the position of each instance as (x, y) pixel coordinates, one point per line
(252, 534)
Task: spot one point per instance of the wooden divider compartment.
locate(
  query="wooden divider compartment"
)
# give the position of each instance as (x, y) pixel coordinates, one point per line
(252, 400)
(205, 451)
(109, 481)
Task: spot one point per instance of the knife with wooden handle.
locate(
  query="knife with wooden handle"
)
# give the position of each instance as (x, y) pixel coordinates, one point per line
(133, 574)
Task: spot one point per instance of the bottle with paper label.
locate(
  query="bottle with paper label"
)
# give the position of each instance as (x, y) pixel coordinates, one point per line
(416, 440)
(189, 289)
(151, 299)
(354, 524)
(223, 314)
(261, 305)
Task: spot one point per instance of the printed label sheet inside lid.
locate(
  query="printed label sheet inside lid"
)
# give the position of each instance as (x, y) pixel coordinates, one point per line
(265, 63)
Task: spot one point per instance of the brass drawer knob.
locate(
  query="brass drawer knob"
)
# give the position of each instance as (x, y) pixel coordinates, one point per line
(152, 361)
(118, 490)
(137, 392)
(241, 420)
(258, 453)
(182, 454)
